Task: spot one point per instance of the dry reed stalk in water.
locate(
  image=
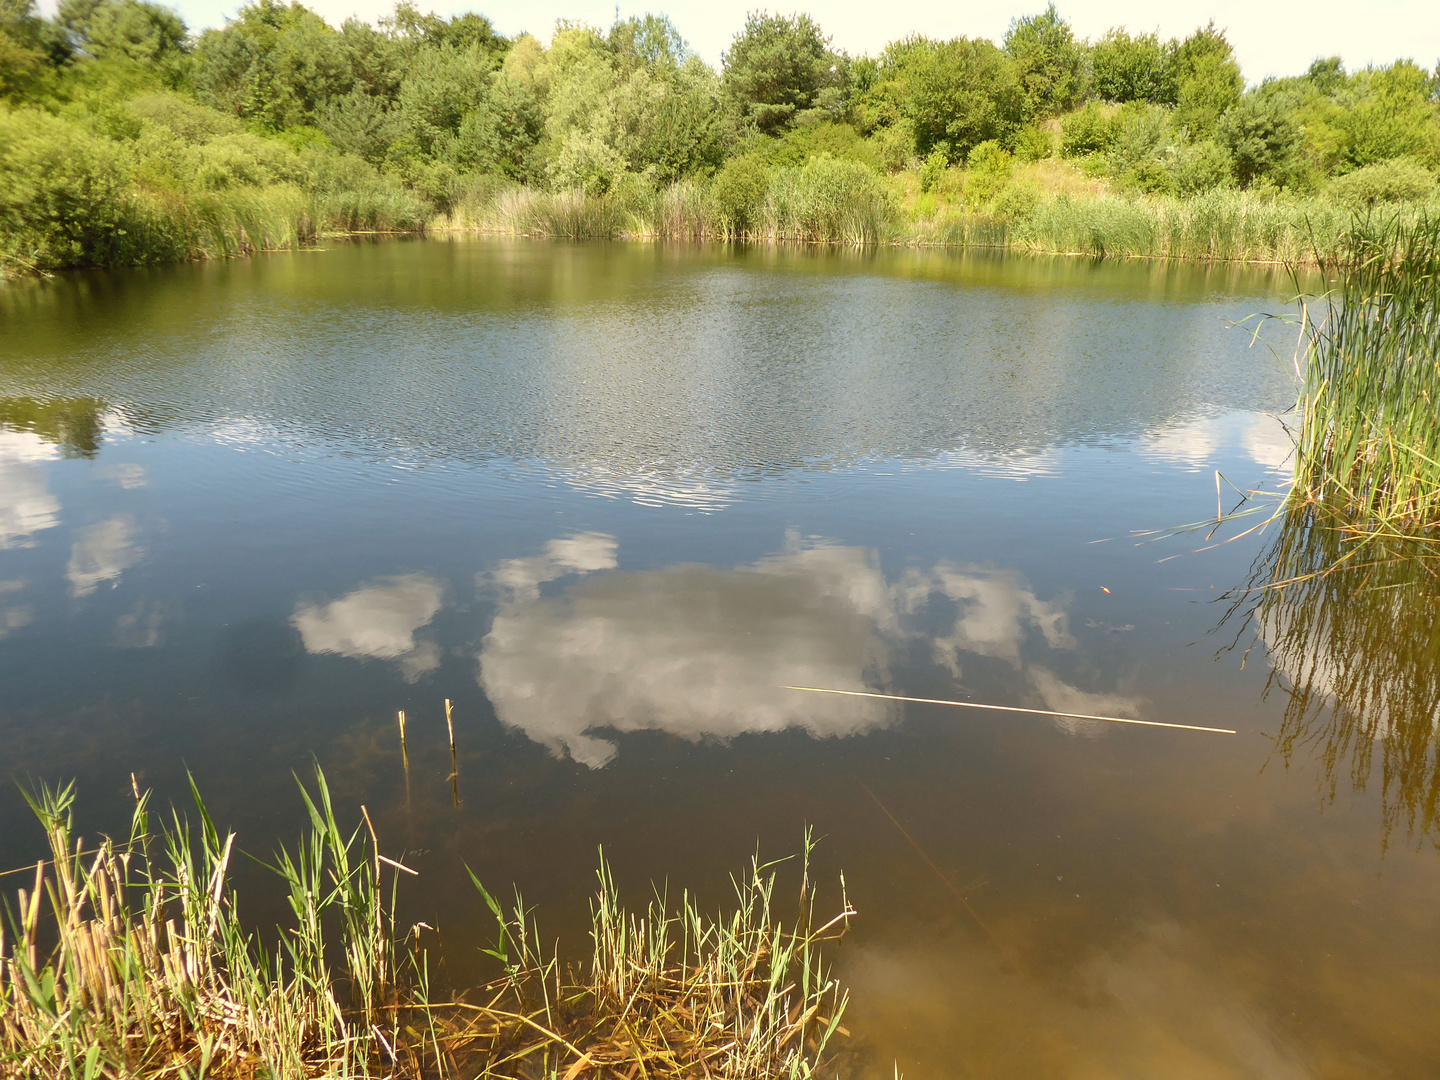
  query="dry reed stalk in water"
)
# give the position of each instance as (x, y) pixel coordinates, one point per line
(1011, 708)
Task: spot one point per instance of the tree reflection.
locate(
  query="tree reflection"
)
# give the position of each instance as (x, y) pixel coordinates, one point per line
(1352, 625)
(73, 424)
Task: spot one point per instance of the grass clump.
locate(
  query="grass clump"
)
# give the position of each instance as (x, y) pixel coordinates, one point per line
(130, 960)
(1369, 442)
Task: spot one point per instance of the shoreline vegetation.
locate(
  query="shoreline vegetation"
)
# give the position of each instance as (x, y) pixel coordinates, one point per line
(125, 139)
(130, 959)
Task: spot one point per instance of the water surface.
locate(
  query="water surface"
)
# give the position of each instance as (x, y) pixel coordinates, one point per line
(611, 500)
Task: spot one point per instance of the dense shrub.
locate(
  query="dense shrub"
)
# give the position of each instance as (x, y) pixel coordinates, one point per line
(62, 194)
(1090, 130)
(1387, 181)
(739, 192)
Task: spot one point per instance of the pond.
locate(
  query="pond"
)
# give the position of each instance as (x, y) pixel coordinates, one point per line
(612, 500)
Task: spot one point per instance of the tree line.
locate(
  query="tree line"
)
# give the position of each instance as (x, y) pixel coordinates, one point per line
(421, 110)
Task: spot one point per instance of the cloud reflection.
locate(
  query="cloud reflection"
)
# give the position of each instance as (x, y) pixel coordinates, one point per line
(103, 552)
(1196, 445)
(378, 621)
(702, 652)
(13, 616)
(26, 505)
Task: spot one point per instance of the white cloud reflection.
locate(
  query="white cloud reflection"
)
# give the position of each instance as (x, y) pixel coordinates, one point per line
(701, 652)
(378, 621)
(26, 504)
(103, 552)
(13, 616)
(1196, 445)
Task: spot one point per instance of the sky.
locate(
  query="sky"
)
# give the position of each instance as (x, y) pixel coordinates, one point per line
(1270, 37)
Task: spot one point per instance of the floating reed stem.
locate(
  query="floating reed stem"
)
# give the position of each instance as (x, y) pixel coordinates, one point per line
(454, 764)
(1012, 709)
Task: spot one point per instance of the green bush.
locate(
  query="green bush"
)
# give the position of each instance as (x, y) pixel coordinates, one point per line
(1262, 138)
(932, 171)
(739, 191)
(244, 160)
(186, 120)
(62, 194)
(990, 166)
(1016, 200)
(1397, 180)
(1202, 167)
(1034, 143)
(1090, 130)
(1150, 178)
(840, 141)
(894, 145)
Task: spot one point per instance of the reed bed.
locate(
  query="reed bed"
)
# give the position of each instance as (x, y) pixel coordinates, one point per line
(1369, 444)
(130, 960)
(844, 203)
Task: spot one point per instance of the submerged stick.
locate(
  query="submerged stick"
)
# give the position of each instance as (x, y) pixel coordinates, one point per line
(1011, 708)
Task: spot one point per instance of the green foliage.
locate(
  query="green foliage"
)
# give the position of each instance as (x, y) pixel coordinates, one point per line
(274, 65)
(1397, 180)
(1369, 447)
(1393, 113)
(1207, 79)
(1150, 177)
(1326, 75)
(781, 71)
(956, 93)
(1048, 62)
(1016, 201)
(989, 169)
(23, 56)
(1126, 68)
(1089, 130)
(463, 32)
(1141, 135)
(1262, 138)
(829, 200)
(129, 141)
(933, 170)
(1202, 167)
(838, 140)
(1034, 143)
(739, 191)
(128, 30)
(62, 194)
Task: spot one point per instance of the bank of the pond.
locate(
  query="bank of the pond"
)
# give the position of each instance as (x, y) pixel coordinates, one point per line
(152, 971)
(1219, 226)
(1232, 227)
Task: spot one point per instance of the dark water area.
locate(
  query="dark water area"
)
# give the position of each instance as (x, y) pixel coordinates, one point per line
(612, 499)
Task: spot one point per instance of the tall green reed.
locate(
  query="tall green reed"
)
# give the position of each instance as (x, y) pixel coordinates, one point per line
(1369, 443)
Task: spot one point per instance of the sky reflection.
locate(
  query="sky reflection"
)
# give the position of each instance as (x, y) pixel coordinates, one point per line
(707, 653)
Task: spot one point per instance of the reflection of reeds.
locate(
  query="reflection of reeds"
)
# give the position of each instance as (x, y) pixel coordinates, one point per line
(1352, 625)
(152, 973)
(1369, 440)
